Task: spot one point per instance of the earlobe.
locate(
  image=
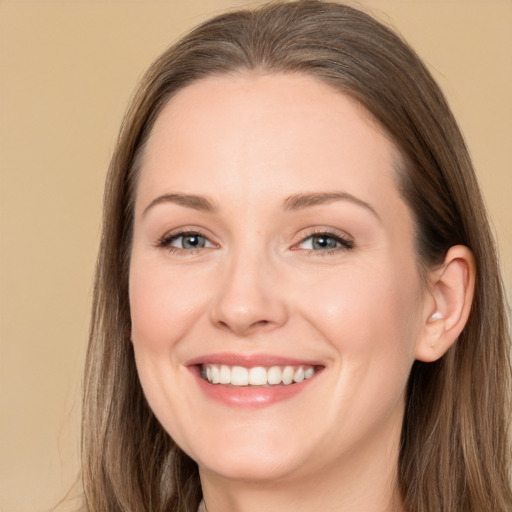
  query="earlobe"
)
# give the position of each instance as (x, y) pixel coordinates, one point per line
(451, 290)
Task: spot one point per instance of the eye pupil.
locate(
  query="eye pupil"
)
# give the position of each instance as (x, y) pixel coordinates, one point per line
(324, 242)
(193, 241)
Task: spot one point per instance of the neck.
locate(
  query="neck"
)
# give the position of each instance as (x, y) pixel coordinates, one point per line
(361, 482)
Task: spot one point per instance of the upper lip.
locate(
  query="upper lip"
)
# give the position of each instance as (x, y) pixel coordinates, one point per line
(250, 360)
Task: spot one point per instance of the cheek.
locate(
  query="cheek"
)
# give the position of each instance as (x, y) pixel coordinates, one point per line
(162, 314)
(372, 323)
(371, 318)
(163, 307)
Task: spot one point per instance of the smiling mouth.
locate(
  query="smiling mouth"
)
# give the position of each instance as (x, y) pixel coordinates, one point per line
(240, 376)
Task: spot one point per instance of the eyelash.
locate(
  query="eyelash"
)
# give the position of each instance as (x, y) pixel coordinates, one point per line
(166, 241)
(345, 244)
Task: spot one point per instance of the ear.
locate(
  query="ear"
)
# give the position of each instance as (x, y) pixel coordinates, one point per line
(447, 308)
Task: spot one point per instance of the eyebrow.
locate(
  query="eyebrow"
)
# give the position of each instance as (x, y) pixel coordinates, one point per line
(309, 199)
(292, 203)
(195, 202)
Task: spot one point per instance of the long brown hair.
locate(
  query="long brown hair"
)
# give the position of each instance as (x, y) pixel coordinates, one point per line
(454, 453)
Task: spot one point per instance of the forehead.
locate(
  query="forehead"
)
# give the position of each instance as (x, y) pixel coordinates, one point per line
(277, 134)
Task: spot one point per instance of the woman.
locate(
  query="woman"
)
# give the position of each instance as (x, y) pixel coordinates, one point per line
(298, 302)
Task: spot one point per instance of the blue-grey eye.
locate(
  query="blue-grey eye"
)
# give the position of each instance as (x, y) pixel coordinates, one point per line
(190, 241)
(322, 242)
(325, 242)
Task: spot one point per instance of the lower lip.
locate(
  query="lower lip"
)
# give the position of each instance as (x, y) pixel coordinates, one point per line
(251, 396)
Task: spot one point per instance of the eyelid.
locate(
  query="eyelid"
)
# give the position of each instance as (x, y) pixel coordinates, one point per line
(344, 239)
(165, 240)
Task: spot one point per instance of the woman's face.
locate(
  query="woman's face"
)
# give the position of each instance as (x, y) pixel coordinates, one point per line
(271, 244)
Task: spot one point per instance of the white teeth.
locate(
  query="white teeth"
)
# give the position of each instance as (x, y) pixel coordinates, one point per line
(239, 376)
(298, 376)
(225, 374)
(256, 376)
(288, 375)
(274, 375)
(309, 373)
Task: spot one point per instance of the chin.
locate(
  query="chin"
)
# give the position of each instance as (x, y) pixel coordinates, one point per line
(251, 460)
(257, 468)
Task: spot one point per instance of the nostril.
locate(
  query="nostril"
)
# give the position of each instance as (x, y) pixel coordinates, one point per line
(260, 323)
(223, 324)
(244, 327)
(247, 313)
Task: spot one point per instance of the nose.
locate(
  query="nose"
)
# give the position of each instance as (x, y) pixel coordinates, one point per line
(249, 299)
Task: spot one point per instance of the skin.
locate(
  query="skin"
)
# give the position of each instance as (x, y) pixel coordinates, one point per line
(258, 286)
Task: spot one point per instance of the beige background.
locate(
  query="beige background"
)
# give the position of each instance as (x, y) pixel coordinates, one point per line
(67, 69)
